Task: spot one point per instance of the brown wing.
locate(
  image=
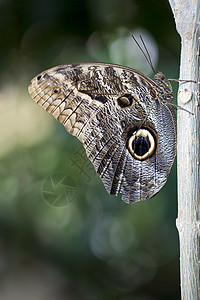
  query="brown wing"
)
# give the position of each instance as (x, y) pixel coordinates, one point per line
(105, 106)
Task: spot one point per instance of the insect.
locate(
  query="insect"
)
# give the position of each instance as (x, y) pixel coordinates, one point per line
(124, 119)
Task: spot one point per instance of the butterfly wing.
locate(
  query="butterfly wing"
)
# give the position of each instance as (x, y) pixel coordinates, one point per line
(129, 135)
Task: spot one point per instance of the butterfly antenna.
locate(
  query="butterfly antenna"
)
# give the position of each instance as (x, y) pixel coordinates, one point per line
(146, 55)
(149, 57)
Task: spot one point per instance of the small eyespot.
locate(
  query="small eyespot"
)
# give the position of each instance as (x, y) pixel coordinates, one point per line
(141, 144)
(56, 90)
(39, 77)
(123, 124)
(125, 101)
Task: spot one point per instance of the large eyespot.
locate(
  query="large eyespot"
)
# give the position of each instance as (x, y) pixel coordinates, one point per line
(142, 144)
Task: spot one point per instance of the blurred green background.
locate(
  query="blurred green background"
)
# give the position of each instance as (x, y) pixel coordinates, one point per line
(61, 235)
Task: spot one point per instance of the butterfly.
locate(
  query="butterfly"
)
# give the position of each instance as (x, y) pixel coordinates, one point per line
(124, 119)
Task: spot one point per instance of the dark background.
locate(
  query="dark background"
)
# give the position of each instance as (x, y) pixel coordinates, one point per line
(96, 247)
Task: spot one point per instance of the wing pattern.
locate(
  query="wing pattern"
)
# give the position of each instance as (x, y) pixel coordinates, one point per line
(111, 109)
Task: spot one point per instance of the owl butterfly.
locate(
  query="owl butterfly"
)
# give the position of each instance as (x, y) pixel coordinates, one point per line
(124, 119)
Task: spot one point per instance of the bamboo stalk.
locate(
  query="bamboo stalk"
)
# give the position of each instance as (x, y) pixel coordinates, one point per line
(187, 19)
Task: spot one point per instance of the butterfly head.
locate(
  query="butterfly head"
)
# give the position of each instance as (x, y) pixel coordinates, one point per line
(164, 87)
